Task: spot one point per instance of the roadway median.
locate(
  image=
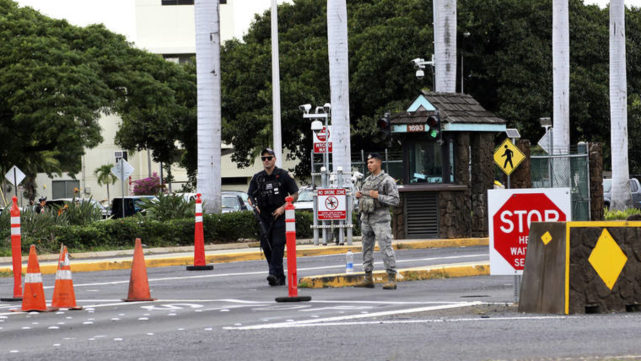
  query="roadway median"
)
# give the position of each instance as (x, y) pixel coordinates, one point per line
(120, 260)
(336, 280)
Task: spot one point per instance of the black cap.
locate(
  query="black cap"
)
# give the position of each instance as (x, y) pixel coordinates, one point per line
(268, 151)
(375, 155)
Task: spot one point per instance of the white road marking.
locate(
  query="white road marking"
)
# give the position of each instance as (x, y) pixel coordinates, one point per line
(390, 322)
(351, 317)
(261, 272)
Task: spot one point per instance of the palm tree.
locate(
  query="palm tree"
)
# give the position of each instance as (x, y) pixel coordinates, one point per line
(618, 108)
(445, 45)
(339, 83)
(209, 103)
(561, 90)
(105, 177)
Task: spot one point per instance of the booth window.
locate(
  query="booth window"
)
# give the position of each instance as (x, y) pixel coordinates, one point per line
(425, 162)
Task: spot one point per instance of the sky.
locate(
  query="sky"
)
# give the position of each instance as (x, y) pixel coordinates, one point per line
(119, 17)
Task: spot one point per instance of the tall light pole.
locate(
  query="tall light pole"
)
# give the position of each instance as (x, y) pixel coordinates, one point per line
(276, 130)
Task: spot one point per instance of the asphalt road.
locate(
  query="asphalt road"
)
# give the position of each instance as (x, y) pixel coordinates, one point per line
(230, 314)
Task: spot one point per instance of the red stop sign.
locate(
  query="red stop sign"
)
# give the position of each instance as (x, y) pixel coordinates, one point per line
(323, 134)
(512, 224)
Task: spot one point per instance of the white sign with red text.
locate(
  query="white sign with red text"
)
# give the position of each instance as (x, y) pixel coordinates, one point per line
(332, 204)
(510, 212)
(324, 135)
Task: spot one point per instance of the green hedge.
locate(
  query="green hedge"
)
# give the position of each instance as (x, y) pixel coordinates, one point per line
(120, 233)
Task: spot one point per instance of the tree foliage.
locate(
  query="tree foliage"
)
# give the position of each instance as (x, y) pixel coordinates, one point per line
(508, 68)
(56, 80)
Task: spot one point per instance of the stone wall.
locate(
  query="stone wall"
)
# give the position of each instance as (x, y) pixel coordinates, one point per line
(454, 215)
(482, 145)
(595, 151)
(589, 292)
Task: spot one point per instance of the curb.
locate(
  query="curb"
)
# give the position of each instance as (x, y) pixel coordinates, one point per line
(408, 274)
(227, 256)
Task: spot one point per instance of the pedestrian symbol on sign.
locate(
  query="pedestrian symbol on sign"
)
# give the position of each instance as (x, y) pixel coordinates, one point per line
(508, 157)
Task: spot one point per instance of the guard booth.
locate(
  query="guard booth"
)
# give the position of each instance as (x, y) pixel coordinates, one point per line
(448, 168)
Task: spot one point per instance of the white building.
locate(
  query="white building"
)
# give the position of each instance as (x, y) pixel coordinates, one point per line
(164, 27)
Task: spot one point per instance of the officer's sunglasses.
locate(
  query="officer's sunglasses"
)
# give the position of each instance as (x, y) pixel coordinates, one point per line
(266, 158)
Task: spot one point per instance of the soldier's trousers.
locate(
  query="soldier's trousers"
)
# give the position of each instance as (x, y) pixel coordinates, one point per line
(377, 229)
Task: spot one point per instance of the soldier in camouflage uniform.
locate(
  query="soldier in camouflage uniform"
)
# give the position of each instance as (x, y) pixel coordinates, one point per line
(379, 192)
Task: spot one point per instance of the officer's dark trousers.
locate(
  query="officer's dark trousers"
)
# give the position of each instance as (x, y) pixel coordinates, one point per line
(276, 247)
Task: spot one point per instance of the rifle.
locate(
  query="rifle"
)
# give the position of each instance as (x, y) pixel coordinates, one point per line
(262, 229)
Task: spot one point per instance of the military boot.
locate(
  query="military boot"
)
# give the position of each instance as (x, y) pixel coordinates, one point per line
(367, 282)
(391, 282)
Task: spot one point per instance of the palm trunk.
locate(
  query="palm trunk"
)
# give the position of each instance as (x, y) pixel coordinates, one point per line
(561, 91)
(618, 108)
(339, 83)
(445, 45)
(209, 103)
(108, 197)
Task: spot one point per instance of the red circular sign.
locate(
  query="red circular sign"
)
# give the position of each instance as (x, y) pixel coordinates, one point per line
(512, 224)
(322, 134)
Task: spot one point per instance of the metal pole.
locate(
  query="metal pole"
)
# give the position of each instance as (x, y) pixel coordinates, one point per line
(277, 139)
(386, 162)
(339, 179)
(324, 185)
(15, 182)
(550, 168)
(315, 200)
(517, 283)
(326, 142)
(148, 163)
(122, 185)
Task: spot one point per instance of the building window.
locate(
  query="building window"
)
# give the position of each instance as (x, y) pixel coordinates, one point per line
(425, 162)
(184, 2)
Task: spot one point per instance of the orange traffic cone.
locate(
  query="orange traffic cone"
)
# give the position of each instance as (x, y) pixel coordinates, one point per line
(33, 298)
(138, 283)
(63, 294)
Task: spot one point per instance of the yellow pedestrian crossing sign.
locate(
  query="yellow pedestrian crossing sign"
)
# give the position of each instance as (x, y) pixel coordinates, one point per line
(507, 156)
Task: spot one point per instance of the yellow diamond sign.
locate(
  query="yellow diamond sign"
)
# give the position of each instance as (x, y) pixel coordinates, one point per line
(546, 238)
(607, 259)
(507, 156)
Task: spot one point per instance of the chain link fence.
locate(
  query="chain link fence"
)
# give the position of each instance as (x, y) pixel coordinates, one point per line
(569, 170)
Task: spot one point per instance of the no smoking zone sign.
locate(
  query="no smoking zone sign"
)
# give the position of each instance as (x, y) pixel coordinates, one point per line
(332, 204)
(510, 212)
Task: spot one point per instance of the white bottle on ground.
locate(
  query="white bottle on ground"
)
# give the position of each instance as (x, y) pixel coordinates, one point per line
(349, 262)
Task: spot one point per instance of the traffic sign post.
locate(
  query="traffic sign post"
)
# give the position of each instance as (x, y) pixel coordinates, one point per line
(507, 156)
(15, 177)
(332, 204)
(122, 170)
(510, 214)
(323, 140)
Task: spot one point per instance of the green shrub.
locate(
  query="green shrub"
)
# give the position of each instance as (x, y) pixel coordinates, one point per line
(168, 206)
(611, 215)
(47, 231)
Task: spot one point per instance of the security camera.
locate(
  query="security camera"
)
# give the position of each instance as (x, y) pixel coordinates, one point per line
(420, 74)
(320, 110)
(317, 126)
(305, 108)
(327, 107)
(417, 63)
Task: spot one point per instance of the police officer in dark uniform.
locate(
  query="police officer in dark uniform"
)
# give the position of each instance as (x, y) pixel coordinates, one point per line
(269, 188)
